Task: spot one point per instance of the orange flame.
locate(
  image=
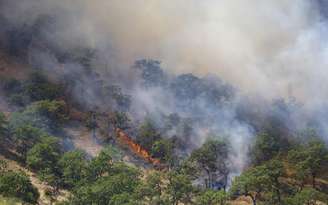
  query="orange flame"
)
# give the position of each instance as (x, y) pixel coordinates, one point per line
(136, 148)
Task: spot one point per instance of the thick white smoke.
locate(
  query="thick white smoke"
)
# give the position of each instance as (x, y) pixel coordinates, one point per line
(266, 47)
(272, 48)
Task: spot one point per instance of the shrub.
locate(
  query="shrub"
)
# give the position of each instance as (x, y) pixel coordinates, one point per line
(18, 185)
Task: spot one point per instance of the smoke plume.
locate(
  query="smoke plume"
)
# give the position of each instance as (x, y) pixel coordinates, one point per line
(265, 49)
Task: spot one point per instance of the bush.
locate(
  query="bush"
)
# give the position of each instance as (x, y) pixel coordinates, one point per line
(211, 197)
(36, 88)
(18, 185)
(106, 189)
(43, 158)
(46, 115)
(39, 88)
(54, 110)
(147, 135)
(163, 149)
(73, 166)
(307, 196)
(25, 137)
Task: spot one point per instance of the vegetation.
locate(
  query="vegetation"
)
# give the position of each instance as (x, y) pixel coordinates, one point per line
(211, 197)
(310, 160)
(283, 169)
(9, 201)
(36, 88)
(46, 115)
(73, 166)
(147, 135)
(307, 196)
(43, 158)
(3, 125)
(265, 147)
(25, 137)
(179, 188)
(212, 157)
(18, 185)
(251, 183)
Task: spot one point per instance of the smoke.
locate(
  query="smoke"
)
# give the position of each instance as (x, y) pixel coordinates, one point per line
(263, 47)
(266, 49)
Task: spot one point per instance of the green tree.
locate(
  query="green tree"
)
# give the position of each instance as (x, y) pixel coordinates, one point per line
(212, 157)
(147, 135)
(275, 171)
(179, 188)
(82, 195)
(307, 196)
(252, 183)
(266, 147)
(152, 189)
(113, 151)
(45, 115)
(100, 165)
(121, 167)
(18, 185)
(124, 199)
(119, 120)
(25, 137)
(105, 188)
(163, 150)
(43, 158)
(56, 111)
(189, 168)
(310, 159)
(73, 166)
(211, 197)
(39, 88)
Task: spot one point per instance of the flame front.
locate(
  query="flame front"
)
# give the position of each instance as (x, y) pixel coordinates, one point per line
(136, 148)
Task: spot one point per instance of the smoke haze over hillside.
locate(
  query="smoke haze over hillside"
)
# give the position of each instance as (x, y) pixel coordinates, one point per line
(263, 47)
(267, 49)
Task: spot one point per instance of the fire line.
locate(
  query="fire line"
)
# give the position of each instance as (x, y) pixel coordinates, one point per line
(136, 148)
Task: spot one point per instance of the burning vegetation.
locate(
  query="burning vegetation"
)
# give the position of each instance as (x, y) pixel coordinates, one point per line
(124, 139)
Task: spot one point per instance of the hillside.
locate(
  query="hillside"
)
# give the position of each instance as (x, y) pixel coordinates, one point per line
(92, 133)
(189, 102)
